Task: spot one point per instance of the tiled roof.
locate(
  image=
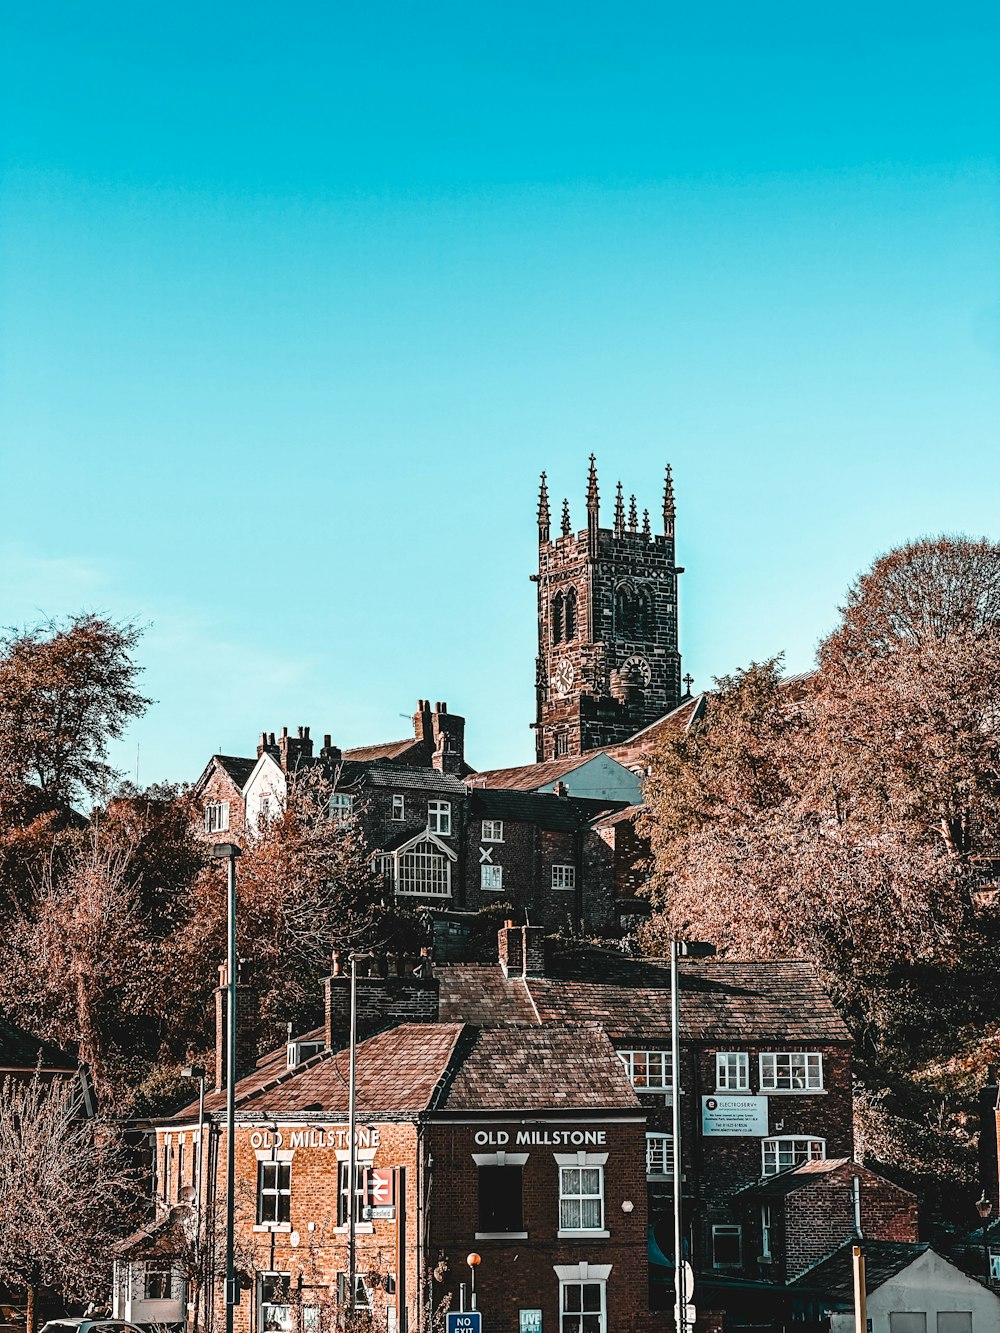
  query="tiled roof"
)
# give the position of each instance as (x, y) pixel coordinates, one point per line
(386, 750)
(20, 1050)
(528, 777)
(834, 1276)
(397, 1070)
(630, 998)
(625, 815)
(530, 1069)
(543, 809)
(480, 993)
(795, 1178)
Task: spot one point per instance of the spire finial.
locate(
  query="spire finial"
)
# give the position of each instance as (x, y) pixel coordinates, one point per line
(668, 503)
(593, 506)
(567, 527)
(646, 532)
(543, 510)
(619, 512)
(593, 495)
(633, 515)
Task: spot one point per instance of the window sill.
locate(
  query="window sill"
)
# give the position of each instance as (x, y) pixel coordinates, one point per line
(584, 1235)
(501, 1235)
(794, 1092)
(360, 1229)
(420, 893)
(272, 1226)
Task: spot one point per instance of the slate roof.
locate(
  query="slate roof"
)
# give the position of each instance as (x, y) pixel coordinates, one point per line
(630, 998)
(833, 1276)
(419, 779)
(543, 809)
(236, 767)
(540, 1068)
(624, 815)
(19, 1050)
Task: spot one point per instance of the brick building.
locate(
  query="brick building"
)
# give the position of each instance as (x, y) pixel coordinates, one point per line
(608, 660)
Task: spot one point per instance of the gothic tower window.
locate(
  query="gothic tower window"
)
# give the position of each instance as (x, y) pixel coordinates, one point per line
(570, 617)
(632, 613)
(557, 618)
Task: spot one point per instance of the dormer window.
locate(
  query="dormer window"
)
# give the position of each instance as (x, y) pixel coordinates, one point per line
(301, 1051)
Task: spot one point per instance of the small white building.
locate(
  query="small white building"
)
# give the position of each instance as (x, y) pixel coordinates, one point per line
(910, 1289)
(150, 1286)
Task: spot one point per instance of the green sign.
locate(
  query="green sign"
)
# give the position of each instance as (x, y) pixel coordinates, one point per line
(531, 1321)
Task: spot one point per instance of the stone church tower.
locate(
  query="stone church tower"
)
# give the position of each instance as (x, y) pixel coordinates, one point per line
(608, 661)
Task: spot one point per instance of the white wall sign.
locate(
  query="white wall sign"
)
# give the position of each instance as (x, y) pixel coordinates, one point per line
(734, 1117)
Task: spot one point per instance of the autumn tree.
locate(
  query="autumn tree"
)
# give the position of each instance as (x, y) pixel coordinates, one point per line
(848, 817)
(67, 1193)
(306, 887)
(66, 691)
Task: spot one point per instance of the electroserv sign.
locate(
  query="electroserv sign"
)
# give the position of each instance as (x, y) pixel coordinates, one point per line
(734, 1117)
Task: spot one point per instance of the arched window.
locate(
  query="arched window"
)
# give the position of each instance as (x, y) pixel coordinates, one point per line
(570, 617)
(643, 618)
(632, 613)
(557, 618)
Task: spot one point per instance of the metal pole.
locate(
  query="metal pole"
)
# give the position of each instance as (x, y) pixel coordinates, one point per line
(675, 1095)
(352, 1148)
(231, 1098)
(860, 1295)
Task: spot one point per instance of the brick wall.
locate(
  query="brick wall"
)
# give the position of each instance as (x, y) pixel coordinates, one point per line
(382, 1002)
(820, 1216)
(219, 787)
(518, 1273)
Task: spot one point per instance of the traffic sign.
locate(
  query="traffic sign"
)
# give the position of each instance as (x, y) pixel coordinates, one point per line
(380, 1183)
(470, 1321)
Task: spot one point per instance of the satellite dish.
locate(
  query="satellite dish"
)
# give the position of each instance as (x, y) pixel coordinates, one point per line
(186, 1194)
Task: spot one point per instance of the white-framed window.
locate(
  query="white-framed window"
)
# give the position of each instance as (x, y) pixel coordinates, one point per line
(659, 1155)
(273, 1302)
(439, 817)
(492, 830)
(264, 809)
(161, 1281)
(788, 1150)
(274, 1192)
(995, 1263)
(648, 1071)
(727, 1247)
(564, 877)
(360, 1192)
(765, 1231)
(362, 1292)
(341, 807)
(732, 1071)
(791, 1071)
(216, 816)
(398, 808)
(490, 877)
(581, 1198)
(301, 1051)
(424, 871)
(582, 1307)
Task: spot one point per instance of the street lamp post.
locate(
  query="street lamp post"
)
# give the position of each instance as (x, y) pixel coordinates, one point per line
(473, 1260)
(984, 1207)
(198, 1072)
(679, 949)
(228, 852)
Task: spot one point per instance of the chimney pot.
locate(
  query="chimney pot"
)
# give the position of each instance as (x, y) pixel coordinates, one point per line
(326, 742)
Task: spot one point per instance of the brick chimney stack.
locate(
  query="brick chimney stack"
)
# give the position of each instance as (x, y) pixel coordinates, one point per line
(332, 754)
(448, 731)
(247, 1021)
(294, 750)
(521, 950)
(423, 728)
(268, 743)
(384, 1000)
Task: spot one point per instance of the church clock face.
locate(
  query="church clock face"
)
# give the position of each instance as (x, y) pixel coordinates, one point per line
(563, 677)
(638, 666)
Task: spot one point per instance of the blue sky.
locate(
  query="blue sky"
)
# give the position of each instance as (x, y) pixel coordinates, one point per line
(296, 303)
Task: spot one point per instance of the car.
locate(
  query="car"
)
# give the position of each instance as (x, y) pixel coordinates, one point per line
(104, 1325)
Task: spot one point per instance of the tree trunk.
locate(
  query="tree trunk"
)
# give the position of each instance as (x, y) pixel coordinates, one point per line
(29, 1323)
